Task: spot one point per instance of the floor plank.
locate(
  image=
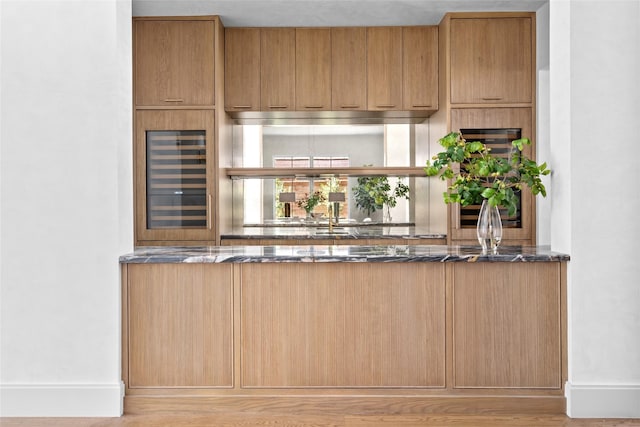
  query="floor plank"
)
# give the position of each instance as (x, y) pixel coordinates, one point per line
(260, 420)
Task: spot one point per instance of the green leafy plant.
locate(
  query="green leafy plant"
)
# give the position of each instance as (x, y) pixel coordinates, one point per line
(373, 193)
(310, 201)
(476, 174)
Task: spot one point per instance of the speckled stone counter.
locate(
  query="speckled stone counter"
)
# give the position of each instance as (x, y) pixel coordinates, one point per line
(323, 253)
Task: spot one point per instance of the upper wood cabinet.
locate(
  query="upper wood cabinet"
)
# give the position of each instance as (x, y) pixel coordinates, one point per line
(349, 68)
(278, 69)
(174, 61)
(242, 69)
(313, 69)
(492, 59)
(331, 69)
(384, 68)
(420, 68)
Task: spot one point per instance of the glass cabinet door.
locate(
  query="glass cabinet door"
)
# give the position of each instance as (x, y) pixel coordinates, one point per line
(176, 179)
(174, 169)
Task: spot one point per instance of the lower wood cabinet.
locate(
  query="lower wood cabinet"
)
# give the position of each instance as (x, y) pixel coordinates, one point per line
(343, 325)
(506, 325)
(180, 325)
(374, 334)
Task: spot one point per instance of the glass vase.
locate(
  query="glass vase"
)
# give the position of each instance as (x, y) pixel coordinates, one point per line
(489, 228)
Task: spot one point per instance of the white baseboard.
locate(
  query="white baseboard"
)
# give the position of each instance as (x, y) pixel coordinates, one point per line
(600, 401)
(61, 400)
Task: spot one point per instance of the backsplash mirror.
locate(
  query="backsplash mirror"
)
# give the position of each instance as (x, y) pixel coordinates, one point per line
(256, 201)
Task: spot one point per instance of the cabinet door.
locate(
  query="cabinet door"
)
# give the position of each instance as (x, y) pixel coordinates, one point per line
(506, 325)
(491, 60)
(384, 68)
(174, 166)
(242, 69)
(174, 62)
(420, 68)
(180, 325)
(348, 68)
(306, 325)
(277, 82)
(313, 69)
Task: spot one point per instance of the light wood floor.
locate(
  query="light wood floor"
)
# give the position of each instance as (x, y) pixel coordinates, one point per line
(257, 420)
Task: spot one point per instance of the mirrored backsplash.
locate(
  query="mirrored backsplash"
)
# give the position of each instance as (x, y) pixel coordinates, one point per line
(264, 200)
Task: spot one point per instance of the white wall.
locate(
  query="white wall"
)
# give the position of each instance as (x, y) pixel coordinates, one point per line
(543, 144)
(595, 106)
(66, 204)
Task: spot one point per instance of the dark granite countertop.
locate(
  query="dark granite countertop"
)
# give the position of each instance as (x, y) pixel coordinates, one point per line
(321, 231)
(341, 253)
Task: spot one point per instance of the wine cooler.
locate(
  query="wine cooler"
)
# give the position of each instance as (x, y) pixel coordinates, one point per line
(499, 141)
(176, 179)
(174, 171)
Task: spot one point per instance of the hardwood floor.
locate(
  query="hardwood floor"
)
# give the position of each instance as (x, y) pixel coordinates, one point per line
(261, 420)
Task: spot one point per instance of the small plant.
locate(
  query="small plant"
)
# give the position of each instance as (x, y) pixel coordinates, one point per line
(481, 175)
(310, 201)
(373, 193)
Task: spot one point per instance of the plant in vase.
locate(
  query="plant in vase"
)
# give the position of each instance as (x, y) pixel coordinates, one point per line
(373, 193)
(478, 177)
(310, 201)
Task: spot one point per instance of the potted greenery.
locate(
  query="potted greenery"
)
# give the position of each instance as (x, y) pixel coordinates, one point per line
(373, 193)
(310, 201)
(476, 176)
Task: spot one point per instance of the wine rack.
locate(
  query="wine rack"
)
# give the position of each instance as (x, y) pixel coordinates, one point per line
(176, 179)
(499, 141)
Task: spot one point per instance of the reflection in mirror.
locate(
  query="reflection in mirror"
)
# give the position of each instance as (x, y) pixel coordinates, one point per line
(320, 146)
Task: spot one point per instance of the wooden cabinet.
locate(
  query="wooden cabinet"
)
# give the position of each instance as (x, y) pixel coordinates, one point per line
(492, 59)
(242, 69)
(277, 77)
(384, 68)
(349, 68)
(174, 172)
(343, 325)
(487, 82)
(181, 131)
(180, 325)
(356, 336)
(420, 68)
(331, 69)
(313, 69)
(507, 325)
(174, 61)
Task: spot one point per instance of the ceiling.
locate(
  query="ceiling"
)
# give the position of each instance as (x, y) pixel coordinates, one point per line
(326, 13)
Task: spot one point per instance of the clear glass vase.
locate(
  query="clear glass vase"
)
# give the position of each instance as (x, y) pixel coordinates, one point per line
(489, 228)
